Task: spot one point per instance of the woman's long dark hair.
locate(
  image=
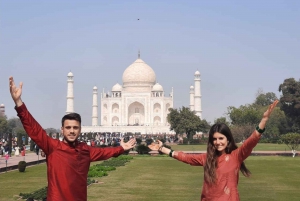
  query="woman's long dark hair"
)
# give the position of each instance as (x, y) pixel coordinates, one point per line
(212, 153)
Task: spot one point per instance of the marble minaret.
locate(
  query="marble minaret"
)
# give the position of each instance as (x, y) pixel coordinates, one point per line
(95, 107)
(197, 95)
(2, 110)
(192, 98)
(70, 95)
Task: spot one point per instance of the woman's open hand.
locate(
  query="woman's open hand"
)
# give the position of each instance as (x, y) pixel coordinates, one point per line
(155, 146)
(270, 109)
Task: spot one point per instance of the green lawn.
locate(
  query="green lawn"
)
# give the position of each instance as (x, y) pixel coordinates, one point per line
(273, 178)
(271, 147)
(14, 182)
(259, 147)
(165, 179)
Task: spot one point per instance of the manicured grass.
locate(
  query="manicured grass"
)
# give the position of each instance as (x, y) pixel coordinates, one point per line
(201, 147)
(273, 178)
(15, 182)
(271, 147)
(166, 179)
(259, 147)
(149, 179)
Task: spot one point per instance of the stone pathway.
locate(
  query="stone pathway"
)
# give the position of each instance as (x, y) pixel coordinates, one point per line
(14, 160)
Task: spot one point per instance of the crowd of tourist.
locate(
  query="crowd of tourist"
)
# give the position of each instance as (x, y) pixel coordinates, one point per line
(100, 139)
(113, 139)
(6, 150)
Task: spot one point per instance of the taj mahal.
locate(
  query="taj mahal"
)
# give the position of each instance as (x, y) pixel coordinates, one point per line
(140, 105)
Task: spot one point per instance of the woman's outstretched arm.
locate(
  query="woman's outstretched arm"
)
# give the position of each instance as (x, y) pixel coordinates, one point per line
(159, 147)
(265, 118)
(245, 150)
(192, 159)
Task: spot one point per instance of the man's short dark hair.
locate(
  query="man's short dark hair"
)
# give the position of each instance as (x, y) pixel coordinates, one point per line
(71, 116)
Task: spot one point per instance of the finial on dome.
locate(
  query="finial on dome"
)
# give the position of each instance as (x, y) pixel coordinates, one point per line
(70, 74)
(139, 54)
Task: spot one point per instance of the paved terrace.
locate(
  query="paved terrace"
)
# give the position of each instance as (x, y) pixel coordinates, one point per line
(12, 162)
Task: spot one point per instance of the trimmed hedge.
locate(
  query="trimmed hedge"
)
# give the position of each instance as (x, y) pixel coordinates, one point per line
(39, 194)
(142, 149)
(99, 171)
(22, 166)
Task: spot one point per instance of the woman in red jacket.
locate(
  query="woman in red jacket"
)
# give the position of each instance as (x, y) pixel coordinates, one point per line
(222, 161)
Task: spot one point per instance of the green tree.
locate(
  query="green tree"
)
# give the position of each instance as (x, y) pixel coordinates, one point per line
(292, 140)
(276, 126)
(19, 140)
(241, 132)
(277, 123)
(51, 131)
(185, 121)
(32, 144)
(245, 118)
(3, 126)
(244, 115)
(265, 99)
(14, 124)
(20, 134)
(290, 102)
(222, 120)
(57, 135)
(204, 126)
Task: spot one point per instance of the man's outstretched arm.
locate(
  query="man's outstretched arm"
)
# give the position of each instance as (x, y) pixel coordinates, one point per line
(31, 126)
(105, 153)
(15, 92)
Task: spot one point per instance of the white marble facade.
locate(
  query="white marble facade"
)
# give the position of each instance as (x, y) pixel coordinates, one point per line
(139, 105)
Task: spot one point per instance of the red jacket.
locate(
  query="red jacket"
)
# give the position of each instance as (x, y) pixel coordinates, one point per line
(227, 171)
(67, 166)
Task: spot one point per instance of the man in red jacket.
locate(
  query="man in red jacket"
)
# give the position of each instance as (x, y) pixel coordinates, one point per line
(68, 161)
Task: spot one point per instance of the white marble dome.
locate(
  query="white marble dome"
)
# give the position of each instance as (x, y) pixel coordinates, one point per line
(139, 74)
(157, 87)
(2, 105)
(117, 87)
(197, 73)
(95, 87)
(192, 89)
(70, 74)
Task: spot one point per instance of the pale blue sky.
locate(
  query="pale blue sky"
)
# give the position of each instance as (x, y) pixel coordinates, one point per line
(238, 47)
